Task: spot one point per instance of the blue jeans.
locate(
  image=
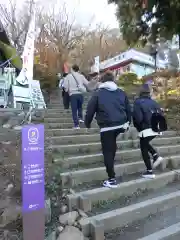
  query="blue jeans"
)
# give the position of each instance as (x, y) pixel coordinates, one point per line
(76, 107)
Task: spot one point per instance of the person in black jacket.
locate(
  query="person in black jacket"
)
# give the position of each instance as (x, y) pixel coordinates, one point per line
(144, 107)
(65, 95)
(113, 115)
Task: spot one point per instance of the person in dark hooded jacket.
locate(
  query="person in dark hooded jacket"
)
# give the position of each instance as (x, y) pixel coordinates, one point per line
(144, 107)
(113, 115)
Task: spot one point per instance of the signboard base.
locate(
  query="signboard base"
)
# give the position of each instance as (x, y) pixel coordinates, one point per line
(34, 225)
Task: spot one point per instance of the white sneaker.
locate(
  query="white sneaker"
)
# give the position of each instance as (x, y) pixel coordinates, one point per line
(148, 175)
(110, 183)
(157, 162)
(76, 128)
(81, 121)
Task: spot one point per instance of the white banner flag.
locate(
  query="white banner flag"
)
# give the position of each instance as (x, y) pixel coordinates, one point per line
(97, 64)
(26, 74)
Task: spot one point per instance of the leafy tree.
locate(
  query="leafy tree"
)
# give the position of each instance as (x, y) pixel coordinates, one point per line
(127, 79)
(130, 83)
(130, 13)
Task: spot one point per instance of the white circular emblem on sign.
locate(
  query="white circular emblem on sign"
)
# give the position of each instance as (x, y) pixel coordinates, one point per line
(33, 135)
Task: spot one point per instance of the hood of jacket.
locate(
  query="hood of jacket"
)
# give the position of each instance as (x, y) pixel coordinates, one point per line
(110, 86)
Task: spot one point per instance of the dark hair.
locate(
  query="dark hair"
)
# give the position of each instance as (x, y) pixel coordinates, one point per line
(75, 68)
(64, 75)
(107, 77)
(144, 90)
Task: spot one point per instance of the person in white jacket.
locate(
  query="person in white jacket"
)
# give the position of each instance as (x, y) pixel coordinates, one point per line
(75, 84)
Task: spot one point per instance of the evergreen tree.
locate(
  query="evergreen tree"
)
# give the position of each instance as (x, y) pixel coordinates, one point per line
(148, 19)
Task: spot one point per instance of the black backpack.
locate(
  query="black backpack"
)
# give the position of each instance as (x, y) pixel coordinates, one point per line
(158, 122)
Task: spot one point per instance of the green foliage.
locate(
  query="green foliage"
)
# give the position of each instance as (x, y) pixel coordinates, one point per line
(127, 79)
(129, 14)
(130, 83)
(47, 80)
(53, 186)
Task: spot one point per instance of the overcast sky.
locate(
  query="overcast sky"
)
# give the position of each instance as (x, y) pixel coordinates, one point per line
(86, 10)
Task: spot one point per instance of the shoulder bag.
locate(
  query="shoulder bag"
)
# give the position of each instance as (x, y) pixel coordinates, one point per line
(82, 89)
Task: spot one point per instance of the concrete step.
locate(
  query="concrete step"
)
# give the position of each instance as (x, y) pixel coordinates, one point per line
(65, 125)
(120, 217)
(78, 139)
(60, 113)
(161, 225)
(170, 233)
(78, 152)
(74, 139)
(58, 120)
(75, 149)
(56, 100)
(61, 108)
(60, 105)
(10, 110)
(60, 100)
(123, 156)
(58, 110)
(70, 132)
(88, 200)
(94, 176)
(90, 138)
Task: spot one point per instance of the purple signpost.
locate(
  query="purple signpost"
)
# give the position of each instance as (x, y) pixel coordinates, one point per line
(33, 189)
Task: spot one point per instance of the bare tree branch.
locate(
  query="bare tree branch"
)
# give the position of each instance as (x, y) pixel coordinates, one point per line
(60, 38)
(16, 21)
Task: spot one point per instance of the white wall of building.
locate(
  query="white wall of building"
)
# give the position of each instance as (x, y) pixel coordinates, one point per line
(130, 55)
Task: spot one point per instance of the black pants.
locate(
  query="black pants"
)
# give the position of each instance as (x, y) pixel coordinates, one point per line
(76, 106)
(66, 99)
(109, 147)
(146, 148)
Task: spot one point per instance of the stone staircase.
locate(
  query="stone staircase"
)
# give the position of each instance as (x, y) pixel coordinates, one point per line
(138, 208)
